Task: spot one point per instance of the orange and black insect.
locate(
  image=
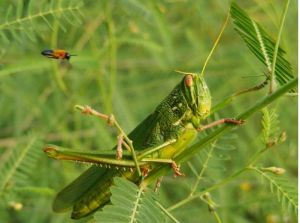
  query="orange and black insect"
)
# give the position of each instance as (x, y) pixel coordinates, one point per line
(57, 54)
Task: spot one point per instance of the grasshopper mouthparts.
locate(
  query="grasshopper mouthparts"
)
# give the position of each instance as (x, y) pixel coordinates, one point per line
(50, 151)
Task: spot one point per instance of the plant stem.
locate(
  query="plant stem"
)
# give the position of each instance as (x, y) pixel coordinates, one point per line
(272, 77)
(257, 156)
(167, 212)
(113, 47)
(204, 166)
(218, 219)
(199, 194)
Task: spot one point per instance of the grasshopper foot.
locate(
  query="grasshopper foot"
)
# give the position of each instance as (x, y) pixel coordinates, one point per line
(145, 171)
(119, 151)
(158, 182)
(176, 169)
(87, 110)
(235, 122)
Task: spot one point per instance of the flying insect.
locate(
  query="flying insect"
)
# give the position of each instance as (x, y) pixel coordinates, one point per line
(57, 54)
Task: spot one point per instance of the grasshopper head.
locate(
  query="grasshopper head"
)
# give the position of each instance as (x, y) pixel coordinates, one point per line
(197, 95)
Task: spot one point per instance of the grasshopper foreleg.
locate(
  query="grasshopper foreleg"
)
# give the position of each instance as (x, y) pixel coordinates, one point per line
(123, 139)
(119, 150)
(255, 88)
(120, 144)
(221, 121)
(157, 184)
(175, 167)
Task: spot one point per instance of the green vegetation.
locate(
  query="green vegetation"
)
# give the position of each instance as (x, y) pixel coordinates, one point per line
(127, 53)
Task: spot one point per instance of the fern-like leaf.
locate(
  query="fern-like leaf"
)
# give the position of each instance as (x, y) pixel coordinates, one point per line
(261, 44)
(24, 18)
(285, 191)
(222, 153)
(11, 173)
(270, 124)
(137, 8)
(130, 204)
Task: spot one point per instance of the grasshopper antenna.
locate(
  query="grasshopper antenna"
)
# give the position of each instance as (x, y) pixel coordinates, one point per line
(183, 72)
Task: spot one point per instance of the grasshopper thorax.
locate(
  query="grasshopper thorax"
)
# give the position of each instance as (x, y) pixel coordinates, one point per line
(197, 96)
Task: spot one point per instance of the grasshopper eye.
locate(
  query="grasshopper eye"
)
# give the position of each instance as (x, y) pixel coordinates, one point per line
(188, 80)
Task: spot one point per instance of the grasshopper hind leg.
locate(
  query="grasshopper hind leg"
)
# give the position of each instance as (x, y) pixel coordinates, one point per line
(95, 197)
(99, 194)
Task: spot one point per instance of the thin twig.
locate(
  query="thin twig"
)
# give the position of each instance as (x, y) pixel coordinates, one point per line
(272, 77)
(166, 212)
(204, 167)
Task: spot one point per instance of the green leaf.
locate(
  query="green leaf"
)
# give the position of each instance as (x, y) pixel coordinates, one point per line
(37, 12)
(130, 204)
(270, 124)
(284, 189)
(8, 13)
(19, 9)
(20, 164)
(261, 44)
(137, 8)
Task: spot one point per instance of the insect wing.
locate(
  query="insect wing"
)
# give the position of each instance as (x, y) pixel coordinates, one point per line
(66, 198)
(47, 53)
(143, 137)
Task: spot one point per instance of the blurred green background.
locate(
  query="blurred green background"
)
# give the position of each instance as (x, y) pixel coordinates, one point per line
(127, 53)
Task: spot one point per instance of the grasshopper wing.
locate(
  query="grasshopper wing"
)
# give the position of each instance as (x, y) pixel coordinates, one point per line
(66, 198)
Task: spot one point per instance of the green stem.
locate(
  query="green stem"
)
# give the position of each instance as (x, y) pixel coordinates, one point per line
(218, 219)
(272, 78)
(212, 206)
(167, 212)
(222, 104)
(257, 156)
(112, 55)
(232, 97)
(204, 166)
(214, 187)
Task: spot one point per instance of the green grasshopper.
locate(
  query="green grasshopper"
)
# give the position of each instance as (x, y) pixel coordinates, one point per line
(157, 140)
